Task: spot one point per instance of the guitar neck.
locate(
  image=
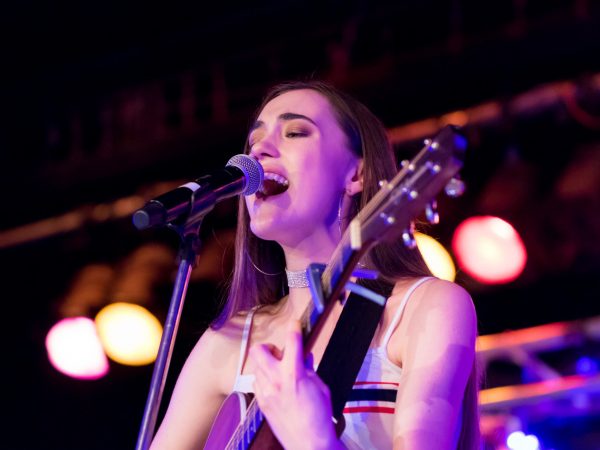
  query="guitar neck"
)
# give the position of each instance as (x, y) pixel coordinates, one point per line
(246, 433)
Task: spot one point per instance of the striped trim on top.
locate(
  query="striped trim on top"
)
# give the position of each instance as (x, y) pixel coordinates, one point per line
(372, 397)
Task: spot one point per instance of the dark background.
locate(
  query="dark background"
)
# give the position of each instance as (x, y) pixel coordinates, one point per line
(101, 102)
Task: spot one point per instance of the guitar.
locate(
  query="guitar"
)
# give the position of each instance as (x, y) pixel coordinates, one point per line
(388, 215)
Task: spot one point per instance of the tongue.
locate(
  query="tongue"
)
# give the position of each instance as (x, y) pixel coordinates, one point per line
(271, 187)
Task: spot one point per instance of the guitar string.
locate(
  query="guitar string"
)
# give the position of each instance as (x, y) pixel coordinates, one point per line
(239, 434)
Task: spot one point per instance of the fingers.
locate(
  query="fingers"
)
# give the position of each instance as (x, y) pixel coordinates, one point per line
(267, 379)
(275, 370)
(323, 388)
(262, 354)
(265, 390)
(293, 355)
(264, 362)
(275, 351)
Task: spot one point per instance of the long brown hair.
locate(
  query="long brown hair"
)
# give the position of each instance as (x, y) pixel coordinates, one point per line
(259, 275)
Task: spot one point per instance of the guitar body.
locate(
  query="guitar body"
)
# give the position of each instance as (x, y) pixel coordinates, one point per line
(230, 416)
(239, 425)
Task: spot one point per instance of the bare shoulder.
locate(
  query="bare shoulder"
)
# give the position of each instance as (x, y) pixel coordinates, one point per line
(436, 296)
(230, 333)
(217, 351)
(266, 323)
(443, 295)
(437, 310)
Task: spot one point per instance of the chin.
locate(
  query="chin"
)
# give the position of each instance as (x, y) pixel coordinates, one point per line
(265, 231)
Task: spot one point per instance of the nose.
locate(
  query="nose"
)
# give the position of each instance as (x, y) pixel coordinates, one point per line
(263, 149)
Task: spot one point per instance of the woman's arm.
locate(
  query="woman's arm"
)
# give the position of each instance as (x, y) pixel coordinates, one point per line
(198, 394)
(435, 343)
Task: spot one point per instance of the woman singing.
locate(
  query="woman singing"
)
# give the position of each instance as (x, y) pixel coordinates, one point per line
(323, 154)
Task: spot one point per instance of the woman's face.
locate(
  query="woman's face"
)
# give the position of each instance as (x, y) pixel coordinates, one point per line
(305, 154)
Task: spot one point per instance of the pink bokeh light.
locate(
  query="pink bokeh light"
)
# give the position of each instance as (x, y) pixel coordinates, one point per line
(489, 249)
(74, 349)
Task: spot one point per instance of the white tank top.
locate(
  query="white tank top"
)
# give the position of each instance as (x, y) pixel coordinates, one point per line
(369, 411)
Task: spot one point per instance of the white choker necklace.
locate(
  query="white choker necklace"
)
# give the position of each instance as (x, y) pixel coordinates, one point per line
(297, 278)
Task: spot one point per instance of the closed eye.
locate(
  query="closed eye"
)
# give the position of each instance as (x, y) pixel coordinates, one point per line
(295, 134)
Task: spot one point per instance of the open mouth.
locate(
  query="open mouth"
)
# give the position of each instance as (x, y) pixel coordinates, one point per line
(273, 184)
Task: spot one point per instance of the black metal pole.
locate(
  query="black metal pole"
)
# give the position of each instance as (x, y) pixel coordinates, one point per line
(187, 255)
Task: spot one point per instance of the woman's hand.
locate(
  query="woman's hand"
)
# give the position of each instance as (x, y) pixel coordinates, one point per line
(292, 397)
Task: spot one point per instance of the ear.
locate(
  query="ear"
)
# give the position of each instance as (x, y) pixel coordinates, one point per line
(354, 181)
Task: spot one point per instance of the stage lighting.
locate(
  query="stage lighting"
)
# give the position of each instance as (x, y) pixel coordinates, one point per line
(586, 366)
(489, 249)
(436, 257)
(74, 349)
(521, 441)
(129, 333)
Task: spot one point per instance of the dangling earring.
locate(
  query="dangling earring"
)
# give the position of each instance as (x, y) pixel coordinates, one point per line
(262, 271)
(340, 213)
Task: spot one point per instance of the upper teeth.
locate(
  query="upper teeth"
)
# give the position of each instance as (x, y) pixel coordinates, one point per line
(276, 177)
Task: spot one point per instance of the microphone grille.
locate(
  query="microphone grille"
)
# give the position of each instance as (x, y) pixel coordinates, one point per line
(252, 170)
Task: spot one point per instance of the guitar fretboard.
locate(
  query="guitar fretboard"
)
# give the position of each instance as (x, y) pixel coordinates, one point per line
(245, 432)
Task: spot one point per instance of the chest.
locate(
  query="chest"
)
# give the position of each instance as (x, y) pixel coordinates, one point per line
(273, 333)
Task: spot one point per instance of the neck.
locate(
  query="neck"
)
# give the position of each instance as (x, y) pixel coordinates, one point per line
(299, 258)
(318, 248)
(313, 250)
(297, 302)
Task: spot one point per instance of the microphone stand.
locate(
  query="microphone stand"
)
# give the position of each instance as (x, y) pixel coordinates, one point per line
(189, 248)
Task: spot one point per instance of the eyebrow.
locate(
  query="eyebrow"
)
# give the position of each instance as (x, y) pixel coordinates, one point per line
(285, 116)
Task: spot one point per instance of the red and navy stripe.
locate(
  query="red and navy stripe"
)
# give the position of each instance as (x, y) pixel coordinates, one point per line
(372, 397)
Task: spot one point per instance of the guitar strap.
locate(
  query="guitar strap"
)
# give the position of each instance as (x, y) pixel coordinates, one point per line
(348, 347)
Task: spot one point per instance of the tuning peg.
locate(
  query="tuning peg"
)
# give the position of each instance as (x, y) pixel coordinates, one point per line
(382, 183)
(408, 238)
(405, 164)
(387, 218)
(431, 213)
(433, 145)
(433, 167)
(455, 188)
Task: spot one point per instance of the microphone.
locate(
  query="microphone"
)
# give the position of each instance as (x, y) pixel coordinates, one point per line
(241, 175)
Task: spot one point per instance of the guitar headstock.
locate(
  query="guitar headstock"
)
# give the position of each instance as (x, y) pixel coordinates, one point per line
(389, 214)
(414, 189)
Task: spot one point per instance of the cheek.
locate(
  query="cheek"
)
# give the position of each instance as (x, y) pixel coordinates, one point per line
(318, 200)
(325, 181)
